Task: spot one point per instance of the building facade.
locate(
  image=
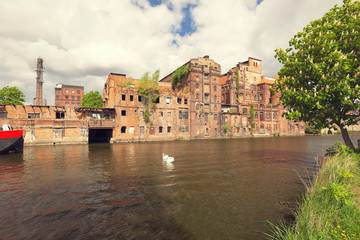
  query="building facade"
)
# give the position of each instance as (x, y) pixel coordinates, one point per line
(68, 95)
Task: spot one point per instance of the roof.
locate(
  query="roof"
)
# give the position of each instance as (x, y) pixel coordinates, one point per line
(61, 85)
(267, 80)
(224, 79)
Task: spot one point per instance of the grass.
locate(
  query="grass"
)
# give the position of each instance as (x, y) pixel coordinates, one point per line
(331, 207)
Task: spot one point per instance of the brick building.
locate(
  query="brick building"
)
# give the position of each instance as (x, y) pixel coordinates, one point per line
(68, 95)
(243, 86)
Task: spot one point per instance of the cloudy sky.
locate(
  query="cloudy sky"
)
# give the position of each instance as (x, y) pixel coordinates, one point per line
(82, 41)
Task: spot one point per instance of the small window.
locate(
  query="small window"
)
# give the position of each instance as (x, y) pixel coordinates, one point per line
(168, 100)
(139, 99)
(185, 101)
(131, 98)
(169, 114)
(57, 97)
(206, 116)
(197, 96)
(244, 111)
(73, 104)
(73, 98)
(197, 106)
(67, 91)
(66, 104)
(142, 129)
(214, 88)
(33, 115)
(123, 97)
(123, 112)
(197, 85)
(160, 129)
(78, 91)
(123, 129)
(179, 100)
(235, 120)
(66, 97)
(72, 91)
(157, 100)
(78, 98)
(78, 104)
(206, 106)
(131, 130)
(161, 114)
(169, 129)
(215, 117)
(3, 114)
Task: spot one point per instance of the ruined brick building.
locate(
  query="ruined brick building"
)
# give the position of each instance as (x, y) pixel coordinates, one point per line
(205, 104)
(200, 104)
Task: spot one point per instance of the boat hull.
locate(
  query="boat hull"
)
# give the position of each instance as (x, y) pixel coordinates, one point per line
(11, 141)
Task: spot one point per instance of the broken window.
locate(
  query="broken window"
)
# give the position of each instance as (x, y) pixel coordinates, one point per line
(160, 129)
(185, 101)
(139, 99)
(183, 115)
(179, 100)
(33, 115)
(123, 112)
(131, 130)
(123, 97)
(168, 129)
(123, 129)
(131, 98)
(3, 114)
(60, 115)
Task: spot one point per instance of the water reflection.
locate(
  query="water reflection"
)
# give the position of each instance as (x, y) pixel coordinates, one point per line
(216, 189)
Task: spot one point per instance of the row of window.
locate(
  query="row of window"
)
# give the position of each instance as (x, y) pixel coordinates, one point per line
(152, 130)
(197, 85)
(72, 91)
(168, 99)
(78, 98)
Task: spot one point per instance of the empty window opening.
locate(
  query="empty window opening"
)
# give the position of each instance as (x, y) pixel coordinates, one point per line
(123, 112)
(123, 129)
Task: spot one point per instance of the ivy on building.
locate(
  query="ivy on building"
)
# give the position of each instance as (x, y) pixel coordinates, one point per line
(252, 118)
(149, 91)
(179, 75)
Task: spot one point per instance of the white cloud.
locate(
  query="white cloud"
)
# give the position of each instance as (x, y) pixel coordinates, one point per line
(83, 41)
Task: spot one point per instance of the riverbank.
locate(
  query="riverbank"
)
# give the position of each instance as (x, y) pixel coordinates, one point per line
(331, 207)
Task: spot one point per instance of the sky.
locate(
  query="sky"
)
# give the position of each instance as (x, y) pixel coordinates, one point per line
(82, 41)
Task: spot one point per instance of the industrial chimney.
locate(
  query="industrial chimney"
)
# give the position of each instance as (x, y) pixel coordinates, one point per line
(39, 83)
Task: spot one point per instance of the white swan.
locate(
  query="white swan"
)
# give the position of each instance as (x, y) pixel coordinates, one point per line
(168, 159)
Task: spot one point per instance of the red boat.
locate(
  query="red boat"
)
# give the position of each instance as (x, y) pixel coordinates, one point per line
(11, 141)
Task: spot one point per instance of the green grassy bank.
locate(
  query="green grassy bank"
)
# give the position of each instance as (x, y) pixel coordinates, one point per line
(331, 207)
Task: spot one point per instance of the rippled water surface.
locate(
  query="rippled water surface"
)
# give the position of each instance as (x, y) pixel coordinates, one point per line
(215, 189)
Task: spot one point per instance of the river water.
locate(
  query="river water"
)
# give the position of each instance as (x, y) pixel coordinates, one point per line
(215, 189)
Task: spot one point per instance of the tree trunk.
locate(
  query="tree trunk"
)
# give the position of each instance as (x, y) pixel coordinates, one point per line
(346, 137)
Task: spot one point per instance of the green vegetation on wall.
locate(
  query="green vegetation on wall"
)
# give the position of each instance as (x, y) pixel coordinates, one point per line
(179, 75)
(149, 91)
(252, 118)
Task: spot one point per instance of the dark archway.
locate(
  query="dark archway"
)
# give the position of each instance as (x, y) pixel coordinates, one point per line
(100, 135)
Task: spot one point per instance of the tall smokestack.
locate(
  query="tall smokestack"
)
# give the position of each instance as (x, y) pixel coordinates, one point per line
(39, 82)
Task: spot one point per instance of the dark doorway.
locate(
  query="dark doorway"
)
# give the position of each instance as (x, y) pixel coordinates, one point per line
(100, 135)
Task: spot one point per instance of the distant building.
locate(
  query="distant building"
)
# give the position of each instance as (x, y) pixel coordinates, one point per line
(68, 95)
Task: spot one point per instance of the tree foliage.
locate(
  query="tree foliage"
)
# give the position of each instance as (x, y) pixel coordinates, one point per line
(92, 99)
(320, 78)
(11, 96)
(149, 91)
(252, 118)
(179, 74)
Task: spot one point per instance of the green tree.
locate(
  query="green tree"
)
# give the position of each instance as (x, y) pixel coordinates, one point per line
(149, 90)
(320, 78)
(11, 96)
(92, 99)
